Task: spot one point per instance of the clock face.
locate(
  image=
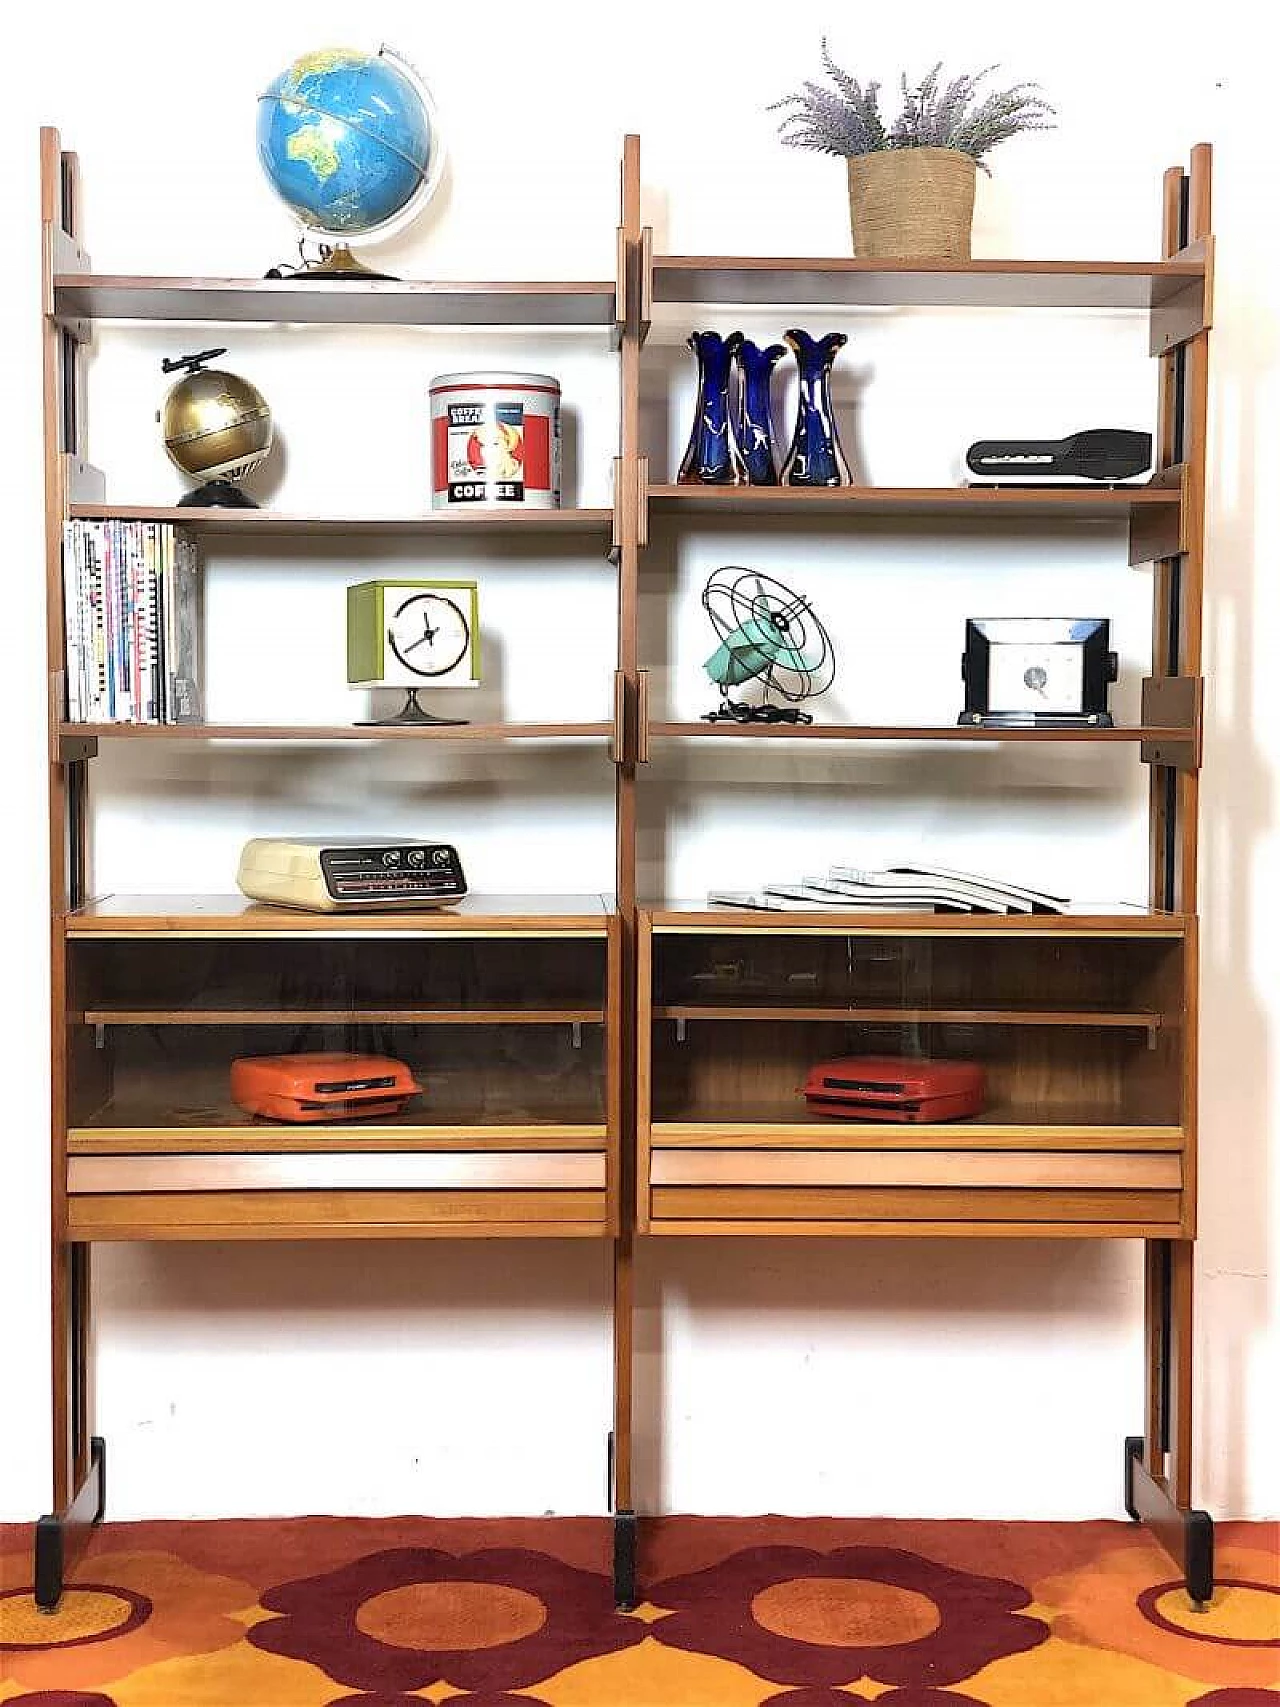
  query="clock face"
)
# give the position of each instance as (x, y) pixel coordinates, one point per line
(1032, 677)
(429, 634)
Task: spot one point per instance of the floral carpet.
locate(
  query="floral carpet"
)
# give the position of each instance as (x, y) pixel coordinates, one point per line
(742, 1612)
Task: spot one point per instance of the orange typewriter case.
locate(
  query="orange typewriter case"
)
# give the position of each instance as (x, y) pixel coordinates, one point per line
(321, 1087)
(895, 1087)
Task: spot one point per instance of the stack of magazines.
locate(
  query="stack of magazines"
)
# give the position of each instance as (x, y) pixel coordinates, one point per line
(897, 889)
(131, 602)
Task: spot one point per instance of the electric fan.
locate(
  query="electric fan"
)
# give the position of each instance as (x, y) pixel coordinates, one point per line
(766, 633)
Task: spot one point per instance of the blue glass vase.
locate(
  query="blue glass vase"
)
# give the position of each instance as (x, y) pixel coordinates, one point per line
(712, 458)
(815, 457)
(752, 423)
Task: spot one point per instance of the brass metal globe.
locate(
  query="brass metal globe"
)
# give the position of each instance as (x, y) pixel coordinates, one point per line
(217, 429)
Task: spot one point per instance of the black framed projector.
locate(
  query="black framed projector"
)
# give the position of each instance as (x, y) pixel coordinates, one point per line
(1037, 672)
(359, 874)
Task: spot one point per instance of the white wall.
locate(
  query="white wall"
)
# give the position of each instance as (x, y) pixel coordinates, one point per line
(914, 1377)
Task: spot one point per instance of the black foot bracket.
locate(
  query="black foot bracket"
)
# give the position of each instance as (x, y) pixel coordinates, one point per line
(1185, 1534)
(61, 1535)
(624, 1560)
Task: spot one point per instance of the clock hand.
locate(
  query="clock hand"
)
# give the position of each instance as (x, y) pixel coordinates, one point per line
(422, 641)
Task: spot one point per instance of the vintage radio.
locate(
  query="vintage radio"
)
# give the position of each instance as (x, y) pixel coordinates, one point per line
(321, 1087)
(334, 876)
(895, 1087)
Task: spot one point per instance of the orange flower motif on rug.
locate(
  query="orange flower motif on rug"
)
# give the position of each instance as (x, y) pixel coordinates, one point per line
(137, 1609)
(60, 1698)
(797, 1616)
(892, 1698)
(1235, 1642)
(1237, 1698)
(413, 1616)
(486, 1700)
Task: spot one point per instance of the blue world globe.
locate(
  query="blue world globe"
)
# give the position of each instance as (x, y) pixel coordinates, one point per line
(346, 139)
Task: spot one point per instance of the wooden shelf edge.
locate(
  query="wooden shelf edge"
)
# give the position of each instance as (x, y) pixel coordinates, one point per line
(889, 1135)
(1090, 502)
(586, 304)
(663, 1228)
(481, 915)
(1142, 734)
(1136, 1021)
(128, 1017)
(333, 732)
(667, 918)
(349, 1135)
(228, 521)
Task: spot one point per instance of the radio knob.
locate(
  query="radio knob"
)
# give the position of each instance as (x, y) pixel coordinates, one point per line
(391, 857)
(417, 856)
(440, 857)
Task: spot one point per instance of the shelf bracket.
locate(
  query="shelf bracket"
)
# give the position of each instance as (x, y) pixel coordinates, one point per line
(644, 315)
(1174, 705)
(84, 484)
(642, 717)
(1157, 531)
(1187, 311)
(73, 749)
(642, 501)
(618, 739)
(615, 531)
(621, 287)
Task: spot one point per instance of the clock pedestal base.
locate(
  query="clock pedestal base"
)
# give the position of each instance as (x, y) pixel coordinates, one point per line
(410, 713)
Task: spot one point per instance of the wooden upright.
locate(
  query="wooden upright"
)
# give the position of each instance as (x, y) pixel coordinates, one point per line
(677, 1031)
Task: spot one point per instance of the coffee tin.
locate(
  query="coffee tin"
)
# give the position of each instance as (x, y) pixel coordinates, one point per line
(495, 441)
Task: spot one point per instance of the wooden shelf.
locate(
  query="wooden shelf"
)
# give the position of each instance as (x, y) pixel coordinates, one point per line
(399, 1133)
(282, 732)
(452, 1115)
(900, 732)
(1136, 1021)
(696, 918)
(995, 1129)
(796, 504)
(296, 302)
(530, 1015)
(830, 280)
(163, 915)
(537, 524)
(753, 1122)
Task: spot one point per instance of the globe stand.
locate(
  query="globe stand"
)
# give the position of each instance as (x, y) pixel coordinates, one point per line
(218, 495)
(336, 265)
(410, 713)
(340, 265)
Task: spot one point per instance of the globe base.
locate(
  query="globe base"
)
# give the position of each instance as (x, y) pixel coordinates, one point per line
(218, 495)
(340, 264)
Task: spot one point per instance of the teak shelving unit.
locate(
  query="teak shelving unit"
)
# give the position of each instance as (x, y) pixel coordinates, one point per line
(672, 1037)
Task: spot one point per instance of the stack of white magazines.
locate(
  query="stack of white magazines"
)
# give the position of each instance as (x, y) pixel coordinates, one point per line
(898, 889)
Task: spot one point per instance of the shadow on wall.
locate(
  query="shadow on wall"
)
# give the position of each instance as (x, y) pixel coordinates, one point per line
(980, 1290)
(1238, 812)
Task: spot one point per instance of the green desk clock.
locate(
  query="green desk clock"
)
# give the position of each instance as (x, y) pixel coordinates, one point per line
(413, 634)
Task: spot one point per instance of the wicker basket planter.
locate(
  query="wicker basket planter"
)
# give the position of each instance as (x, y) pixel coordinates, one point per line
(911, 203)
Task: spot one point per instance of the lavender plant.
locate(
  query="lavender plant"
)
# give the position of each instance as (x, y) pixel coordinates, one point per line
(934, 114)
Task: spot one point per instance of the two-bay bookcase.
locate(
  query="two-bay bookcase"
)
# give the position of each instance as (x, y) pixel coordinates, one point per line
(616, 1066)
